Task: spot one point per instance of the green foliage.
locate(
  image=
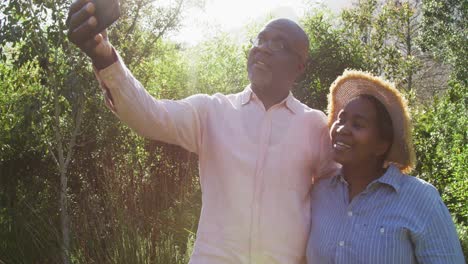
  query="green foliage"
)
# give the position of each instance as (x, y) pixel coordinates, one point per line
(138, 201)
(442, 150)
(462, 231)
(28, 235)
(33, 27)
(165, 75)
(444, 28)
(141, 210)
(27, 232)
(45, 83)
(141, 26)
(330, 54)
(217, 65)
(388, 31)
(19, 107)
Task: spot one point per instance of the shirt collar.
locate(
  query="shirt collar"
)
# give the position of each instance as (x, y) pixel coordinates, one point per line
(290, 102)
(392, 178)
(246, 95)
(338, 178)
(293, 104)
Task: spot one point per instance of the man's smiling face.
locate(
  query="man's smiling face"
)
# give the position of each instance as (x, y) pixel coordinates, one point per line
(277, 57)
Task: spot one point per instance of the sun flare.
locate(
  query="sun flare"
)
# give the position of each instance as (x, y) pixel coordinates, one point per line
(229, 15)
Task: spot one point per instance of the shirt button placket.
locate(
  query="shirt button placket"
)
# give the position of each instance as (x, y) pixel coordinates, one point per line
(263, 147)
(347, 234)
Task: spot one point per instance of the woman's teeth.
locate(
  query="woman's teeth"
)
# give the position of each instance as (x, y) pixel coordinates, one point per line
(341, 145)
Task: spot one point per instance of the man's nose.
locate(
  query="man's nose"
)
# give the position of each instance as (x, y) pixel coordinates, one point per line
(264, 47)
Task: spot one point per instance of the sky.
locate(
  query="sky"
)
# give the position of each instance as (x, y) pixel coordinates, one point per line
(233, 15)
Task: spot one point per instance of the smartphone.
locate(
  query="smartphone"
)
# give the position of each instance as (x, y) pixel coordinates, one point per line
(107, 12)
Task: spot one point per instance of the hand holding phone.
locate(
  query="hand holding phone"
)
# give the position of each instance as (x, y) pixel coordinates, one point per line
(86, 22)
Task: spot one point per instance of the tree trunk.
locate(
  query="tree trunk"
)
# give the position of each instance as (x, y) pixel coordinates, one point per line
(62, 162)
(409, 46)
(64, 217)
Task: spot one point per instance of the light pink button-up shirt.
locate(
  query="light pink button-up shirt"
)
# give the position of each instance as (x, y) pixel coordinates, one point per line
(256, 166)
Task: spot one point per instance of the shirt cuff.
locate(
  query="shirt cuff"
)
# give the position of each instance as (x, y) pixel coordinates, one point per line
(108, 100)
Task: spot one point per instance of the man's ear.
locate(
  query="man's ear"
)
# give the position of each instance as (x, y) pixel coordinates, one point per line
(303, 64)
(301, 67)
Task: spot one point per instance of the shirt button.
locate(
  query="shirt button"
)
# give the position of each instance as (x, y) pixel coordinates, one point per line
(341, 243)
(350, 213)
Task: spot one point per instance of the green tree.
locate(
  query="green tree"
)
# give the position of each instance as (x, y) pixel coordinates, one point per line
(389, 31)
(36, 30)
(442, 151)
(441, 145)
(142, 24)
(444, 32)
(330, 54)
(33, 33)
(217, 65)
(26, 187)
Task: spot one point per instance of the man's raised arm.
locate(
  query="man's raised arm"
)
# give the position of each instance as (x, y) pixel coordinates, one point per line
(176, 122)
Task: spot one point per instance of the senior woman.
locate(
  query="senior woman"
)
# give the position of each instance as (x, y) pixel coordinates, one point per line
(372, 212)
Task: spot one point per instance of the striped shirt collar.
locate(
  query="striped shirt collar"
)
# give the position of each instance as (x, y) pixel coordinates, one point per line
(290, 102)
(392, 178)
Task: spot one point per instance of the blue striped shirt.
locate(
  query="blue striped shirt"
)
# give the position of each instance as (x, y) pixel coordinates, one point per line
(396, 219)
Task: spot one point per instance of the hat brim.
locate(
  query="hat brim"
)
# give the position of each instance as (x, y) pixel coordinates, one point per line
(354, 83)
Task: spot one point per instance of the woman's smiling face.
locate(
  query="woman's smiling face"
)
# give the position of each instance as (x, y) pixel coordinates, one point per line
(355, 134)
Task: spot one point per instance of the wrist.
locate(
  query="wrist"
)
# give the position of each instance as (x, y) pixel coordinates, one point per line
(101, 62)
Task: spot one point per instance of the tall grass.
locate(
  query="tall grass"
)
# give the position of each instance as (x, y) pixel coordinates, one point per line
(133, 208)
(119, 237)
(28, 236)
(141, 210)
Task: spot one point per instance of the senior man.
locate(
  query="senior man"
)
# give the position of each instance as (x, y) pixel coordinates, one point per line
(258, 149)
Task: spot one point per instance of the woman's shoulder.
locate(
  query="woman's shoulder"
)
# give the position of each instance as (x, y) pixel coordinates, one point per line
(417, 185)
(419, 191)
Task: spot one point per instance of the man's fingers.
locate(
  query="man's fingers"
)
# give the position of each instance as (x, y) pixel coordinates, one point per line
(84, 32)
(82, 24)
(99, 38)
(81, 16)
(75, 6)
(104, 34)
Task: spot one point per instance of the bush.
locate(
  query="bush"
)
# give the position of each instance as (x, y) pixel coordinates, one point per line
(462, 230)
(441, 148)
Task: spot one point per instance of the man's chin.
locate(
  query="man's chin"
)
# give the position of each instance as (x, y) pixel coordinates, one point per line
(260, 81)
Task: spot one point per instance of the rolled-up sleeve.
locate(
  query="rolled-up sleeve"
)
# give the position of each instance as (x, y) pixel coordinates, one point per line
(171, 121)
(438, 241)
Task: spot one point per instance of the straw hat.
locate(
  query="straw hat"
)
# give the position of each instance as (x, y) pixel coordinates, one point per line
(354, 83)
